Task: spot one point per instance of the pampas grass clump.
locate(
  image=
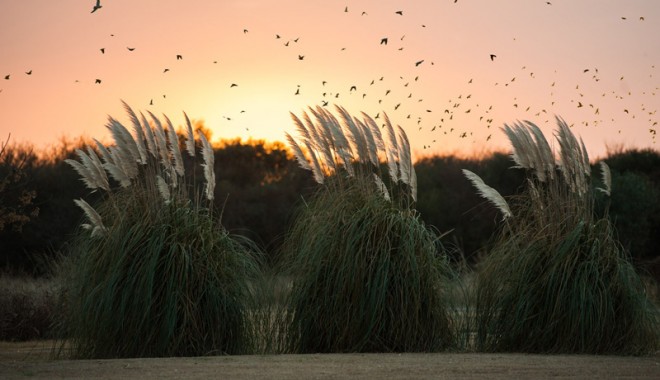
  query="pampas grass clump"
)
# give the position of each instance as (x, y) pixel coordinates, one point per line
(365, 271)
(557, 280)
(153, 273)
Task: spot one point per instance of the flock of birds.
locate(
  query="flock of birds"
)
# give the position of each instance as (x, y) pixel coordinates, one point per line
(442, 117)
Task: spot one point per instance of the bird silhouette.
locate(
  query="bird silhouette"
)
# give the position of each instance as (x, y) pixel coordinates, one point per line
(245, 31)
(301, 57)
(233, 85)
(29, 72)
(7, 76)
(419, 63)
(98, 81)
(166, 70)
(102, 50)
(400, 13)
(383, 41)
(492, 57)
(353, 88)
(97, 6)
(130, 48)
(179, 56)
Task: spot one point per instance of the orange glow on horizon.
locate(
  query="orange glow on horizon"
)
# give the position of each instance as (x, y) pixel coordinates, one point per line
(590, 66)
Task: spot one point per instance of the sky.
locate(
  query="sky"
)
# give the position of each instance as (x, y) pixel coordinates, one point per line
(451, 73)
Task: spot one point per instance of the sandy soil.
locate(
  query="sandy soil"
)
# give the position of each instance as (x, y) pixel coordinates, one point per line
(31, 361)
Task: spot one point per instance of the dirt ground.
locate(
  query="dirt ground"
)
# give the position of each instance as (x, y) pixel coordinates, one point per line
(31, 360)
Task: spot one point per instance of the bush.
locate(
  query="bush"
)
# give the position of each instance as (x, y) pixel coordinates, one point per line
(27, 307)
(366, 272)
(157, 275)
(557, 280)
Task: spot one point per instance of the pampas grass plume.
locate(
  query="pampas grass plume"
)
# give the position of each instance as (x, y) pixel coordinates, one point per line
(209, 162)
(607, 178)
(489, 193)
(96, 226)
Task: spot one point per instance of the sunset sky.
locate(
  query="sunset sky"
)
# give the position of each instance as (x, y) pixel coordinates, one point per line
(596, 63)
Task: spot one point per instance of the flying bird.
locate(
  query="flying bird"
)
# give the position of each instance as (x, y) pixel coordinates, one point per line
(301, 57)
(102, 50)
(400, 13)
(179, 56)
(166, 70)
(130, 48)
(492, 57)
(383, 41)
(29, 72)
(98, 81)
(419, 63)
(97, 6)
(7, 76)
(233, 85)
(245, 31)
(353, 88)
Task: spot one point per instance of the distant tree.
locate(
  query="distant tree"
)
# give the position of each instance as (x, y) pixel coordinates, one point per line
(446, 199)
(16, 200)
(259, 184)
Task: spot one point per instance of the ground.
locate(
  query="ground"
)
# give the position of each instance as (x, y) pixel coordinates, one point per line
(31, 360)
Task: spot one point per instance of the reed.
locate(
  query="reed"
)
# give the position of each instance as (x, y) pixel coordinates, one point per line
(366, 274)
(157, 275)
(557, 280)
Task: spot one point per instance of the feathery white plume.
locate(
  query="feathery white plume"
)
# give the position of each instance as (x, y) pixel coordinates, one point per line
(209, 164)
(161, 142)
(300, 156)
(190, 138)
(174, 148)
(489, 193)
(607, 178)
(97, 227)
(149, 134)
(163, 189)
(381, 187)
(139, 133)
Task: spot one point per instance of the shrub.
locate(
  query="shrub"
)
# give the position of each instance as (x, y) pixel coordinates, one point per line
(156, 275)
(557, 280)
(366, 274)
(27, 307)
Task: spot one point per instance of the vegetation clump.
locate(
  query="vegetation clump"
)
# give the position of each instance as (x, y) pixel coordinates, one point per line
(366, 274)
(557, 280)
(153, 273)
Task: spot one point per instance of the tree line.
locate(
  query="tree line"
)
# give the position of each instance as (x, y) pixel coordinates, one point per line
(260, 186)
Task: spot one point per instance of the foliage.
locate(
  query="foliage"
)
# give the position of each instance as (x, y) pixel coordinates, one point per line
(27, 307)
(365, 272)
(556, 279)
(155, 275)
(16, 202)
(54, 183)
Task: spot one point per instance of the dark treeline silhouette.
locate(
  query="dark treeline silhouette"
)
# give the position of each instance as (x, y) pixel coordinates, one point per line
(260, 185)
